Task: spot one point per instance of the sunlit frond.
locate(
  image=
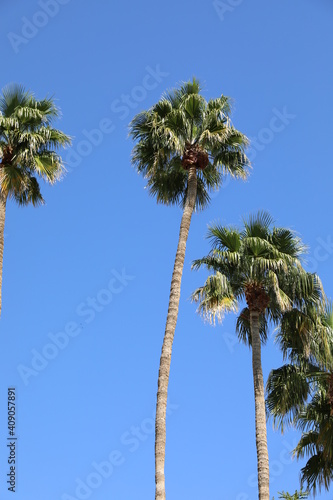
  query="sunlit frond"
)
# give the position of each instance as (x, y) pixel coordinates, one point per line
(215, 298)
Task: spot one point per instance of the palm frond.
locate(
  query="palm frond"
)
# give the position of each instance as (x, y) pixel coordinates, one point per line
(215, 298)
(243, 328)
(317, 473)
(287, 391)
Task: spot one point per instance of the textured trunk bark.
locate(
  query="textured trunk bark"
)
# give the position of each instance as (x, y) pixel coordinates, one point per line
(2, 231)
(260, 415)
(164, 371)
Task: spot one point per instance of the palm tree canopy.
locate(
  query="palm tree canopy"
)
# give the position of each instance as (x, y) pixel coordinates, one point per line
(28, 144)
(260, 259)
(182, 130)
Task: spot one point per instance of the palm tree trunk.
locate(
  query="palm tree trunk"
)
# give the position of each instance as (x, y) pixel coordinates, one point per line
(164, 370)
(2, 231)
(260, 415)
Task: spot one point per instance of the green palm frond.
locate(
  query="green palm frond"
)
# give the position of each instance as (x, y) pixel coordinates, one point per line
(298, 495)
(280, 301)
(317, 473)
(316, 414)
(295, 333)
(316, 422)
(287, 391)
(243, 328)
(224, 238)
(176, 96)
(12, 179)
(30, 194)
(13, 96)
(255, 255)
(288, 243)
(215, 298)
(327, 316)
(258, 225)
(48, 110)
(221, 105)
(49, 166)
(307, 445)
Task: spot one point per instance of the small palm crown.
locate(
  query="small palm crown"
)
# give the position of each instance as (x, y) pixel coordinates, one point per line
(28, 144)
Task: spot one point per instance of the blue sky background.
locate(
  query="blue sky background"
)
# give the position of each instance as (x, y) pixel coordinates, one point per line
(94, 401)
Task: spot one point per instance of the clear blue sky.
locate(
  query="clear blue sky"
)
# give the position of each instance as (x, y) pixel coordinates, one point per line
(94, 400)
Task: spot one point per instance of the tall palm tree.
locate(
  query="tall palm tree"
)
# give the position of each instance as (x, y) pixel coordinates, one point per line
(28, 144)
(300, 393)
(258, 264)
(184, 148)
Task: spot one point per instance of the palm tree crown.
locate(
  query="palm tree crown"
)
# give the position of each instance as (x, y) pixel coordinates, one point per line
(27, 145)
(260, 264)
(184, 130)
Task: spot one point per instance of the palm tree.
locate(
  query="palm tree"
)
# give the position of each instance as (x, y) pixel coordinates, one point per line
(184, 148)
(28, 144)
(300, 393)
(260, 264)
